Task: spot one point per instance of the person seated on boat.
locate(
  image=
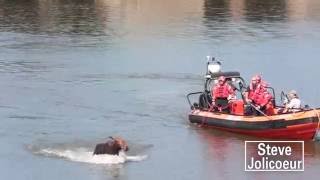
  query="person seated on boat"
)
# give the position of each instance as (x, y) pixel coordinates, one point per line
(221, 94)
(294, 103)
(257, 97)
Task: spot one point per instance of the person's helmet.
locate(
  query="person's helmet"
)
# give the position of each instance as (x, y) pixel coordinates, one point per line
(222, 78)
(256, 78)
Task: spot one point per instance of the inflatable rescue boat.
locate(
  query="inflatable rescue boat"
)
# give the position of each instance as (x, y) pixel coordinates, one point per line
(301, 124)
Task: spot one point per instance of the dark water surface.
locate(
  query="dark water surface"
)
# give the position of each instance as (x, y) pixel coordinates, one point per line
(74, 72)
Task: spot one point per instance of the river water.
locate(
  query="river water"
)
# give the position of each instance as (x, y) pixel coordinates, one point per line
(73, 73)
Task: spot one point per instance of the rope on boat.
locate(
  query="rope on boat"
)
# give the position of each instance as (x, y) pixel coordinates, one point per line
(318, 126)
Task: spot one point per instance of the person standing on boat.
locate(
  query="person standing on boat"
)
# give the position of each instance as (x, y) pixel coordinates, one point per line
(221, 94)
(294, 103)
(258, 97)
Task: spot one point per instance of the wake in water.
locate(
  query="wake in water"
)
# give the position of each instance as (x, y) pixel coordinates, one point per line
(83, 155)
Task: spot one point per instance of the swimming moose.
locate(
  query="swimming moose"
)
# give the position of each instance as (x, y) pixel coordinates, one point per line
(113, 146)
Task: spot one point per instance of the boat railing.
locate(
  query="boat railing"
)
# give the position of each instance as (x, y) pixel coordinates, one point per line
(188, 98)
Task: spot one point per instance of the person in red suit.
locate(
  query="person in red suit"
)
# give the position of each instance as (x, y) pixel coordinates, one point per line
(258, 96)
(221, 94)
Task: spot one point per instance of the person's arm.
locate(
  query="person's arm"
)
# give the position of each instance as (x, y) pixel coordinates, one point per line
(288, 106)
(246, 95)
(232, 94)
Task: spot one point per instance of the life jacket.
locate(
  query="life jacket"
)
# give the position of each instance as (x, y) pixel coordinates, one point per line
(260, 95)
(262, 99)
(260, 87)
(222, 91)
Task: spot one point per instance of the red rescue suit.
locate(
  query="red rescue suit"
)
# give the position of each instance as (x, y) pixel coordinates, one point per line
(222, 91)
(259, 94)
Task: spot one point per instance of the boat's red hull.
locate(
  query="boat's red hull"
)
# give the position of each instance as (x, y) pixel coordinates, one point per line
(296, 126)
(303, 132)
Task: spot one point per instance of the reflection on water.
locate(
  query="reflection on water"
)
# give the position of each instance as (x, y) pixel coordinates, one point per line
(52, 17)
(223, 150)
(217, 10)
(86, 69)
(98, 23)
(20, 15)
(98, 17)
(265, 11)
(239, 18)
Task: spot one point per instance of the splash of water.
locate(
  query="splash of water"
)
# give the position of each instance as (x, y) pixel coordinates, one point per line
(83, 155)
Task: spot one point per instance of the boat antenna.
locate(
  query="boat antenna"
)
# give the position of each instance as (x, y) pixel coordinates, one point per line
(208, 62)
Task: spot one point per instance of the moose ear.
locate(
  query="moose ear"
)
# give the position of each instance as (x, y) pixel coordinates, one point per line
(111, 137)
